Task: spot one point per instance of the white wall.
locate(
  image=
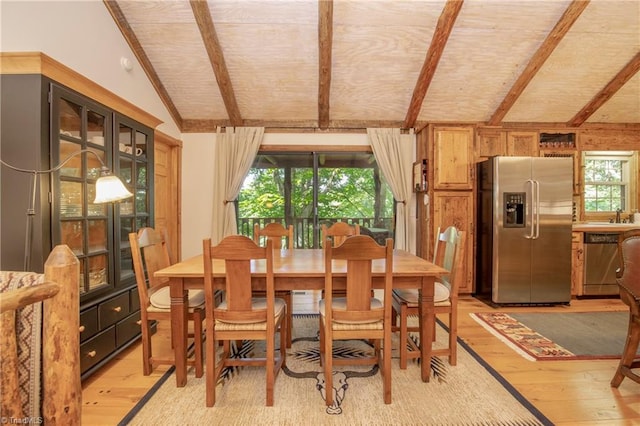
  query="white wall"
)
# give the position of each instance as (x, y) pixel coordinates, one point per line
(83, 36)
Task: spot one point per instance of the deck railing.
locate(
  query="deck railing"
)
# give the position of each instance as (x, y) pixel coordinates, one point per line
(306, 236)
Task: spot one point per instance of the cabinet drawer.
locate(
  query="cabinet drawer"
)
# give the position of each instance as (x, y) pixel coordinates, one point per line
(127, 329)
(113, 310)
(97, 348)
(134, 300)
(88, 323)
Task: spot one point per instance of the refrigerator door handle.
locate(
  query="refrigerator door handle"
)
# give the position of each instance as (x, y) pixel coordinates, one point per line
(530, 185)
(536, 216)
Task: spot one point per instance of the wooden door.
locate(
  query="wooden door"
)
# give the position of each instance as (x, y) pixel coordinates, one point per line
(168, 159)
(457, 208)
(453, 158)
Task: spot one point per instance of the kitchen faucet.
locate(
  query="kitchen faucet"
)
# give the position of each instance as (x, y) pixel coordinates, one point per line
(618, 215)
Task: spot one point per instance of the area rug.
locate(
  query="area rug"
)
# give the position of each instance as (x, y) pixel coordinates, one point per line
(559, 335)
(471, 393)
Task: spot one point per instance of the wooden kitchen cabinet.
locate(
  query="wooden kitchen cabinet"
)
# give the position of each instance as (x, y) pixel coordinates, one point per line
(577, 263)
(490, 143)
(523, 144)
(453, 161)
(457, 208)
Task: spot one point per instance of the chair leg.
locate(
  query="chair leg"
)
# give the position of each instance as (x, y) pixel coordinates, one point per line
(210, 370)
(146, 350)
(453, 337)
(328, 370)
(404, 335)
(289, 317)
(322, 353)
(629, 353)
(386, 369)
(197, 342)
(270, 366)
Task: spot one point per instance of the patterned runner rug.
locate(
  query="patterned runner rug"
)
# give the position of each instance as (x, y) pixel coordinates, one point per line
(471, 393)
(559, 336)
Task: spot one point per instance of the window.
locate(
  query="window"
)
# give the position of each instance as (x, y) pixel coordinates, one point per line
(309, 189)
(608, 178)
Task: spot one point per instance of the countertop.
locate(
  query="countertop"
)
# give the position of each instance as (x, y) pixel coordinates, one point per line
(604, 226)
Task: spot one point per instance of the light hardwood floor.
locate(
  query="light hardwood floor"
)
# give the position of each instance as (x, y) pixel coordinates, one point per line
(567, 392)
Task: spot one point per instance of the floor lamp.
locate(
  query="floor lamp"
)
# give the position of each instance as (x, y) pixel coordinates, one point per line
(109, 188)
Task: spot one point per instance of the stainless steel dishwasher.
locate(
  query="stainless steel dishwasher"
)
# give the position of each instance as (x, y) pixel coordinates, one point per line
(600, 263)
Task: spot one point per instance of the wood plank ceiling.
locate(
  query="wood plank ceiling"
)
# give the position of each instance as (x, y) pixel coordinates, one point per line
(353, 64)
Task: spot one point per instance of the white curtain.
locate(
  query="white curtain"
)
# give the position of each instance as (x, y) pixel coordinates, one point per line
(395, 159)
(234, 153)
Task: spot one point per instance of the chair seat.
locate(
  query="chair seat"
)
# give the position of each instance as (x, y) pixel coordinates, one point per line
(161, 299)
(257, 303)
(441, 295)
(340, 304)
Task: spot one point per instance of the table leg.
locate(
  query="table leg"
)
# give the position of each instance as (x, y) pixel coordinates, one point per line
(427, 319)
(179, 306)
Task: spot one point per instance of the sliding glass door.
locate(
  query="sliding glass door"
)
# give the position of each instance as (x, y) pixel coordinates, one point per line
(307, 190)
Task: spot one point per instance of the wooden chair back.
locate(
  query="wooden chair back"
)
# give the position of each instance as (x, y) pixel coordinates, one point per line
(449, 253)
(339, 232)
(150, 253)
(237, 252)
(628, 274)
(275, 232)
(357, 255)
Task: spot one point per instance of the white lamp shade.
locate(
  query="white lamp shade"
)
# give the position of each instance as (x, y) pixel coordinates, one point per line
(109, 189)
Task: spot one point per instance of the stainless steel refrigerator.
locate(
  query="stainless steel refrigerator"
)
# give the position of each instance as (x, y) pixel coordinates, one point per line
(524, 233)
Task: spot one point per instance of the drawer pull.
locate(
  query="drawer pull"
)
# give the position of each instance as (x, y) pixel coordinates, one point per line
(139, 322)
(81, 328)
(117, 309)
(92, 354)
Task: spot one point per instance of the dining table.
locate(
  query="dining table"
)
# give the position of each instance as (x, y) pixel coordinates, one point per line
(297, 270)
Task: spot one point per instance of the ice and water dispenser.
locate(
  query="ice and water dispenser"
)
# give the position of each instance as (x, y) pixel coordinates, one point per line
(514, 208)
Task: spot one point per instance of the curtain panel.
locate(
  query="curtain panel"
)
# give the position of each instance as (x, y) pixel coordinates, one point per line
(395, 159)
(234, 153)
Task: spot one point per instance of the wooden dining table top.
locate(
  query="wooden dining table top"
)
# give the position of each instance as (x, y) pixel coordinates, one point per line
(300, 263)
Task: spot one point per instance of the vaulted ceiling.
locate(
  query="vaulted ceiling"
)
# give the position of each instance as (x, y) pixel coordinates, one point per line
(352, 64)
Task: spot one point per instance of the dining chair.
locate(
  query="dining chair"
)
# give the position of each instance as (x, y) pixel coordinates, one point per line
(276, 232)
(628, 279)
(241, 316)
(338, 232)
(150, 253)
(358, 315)
(448, 253)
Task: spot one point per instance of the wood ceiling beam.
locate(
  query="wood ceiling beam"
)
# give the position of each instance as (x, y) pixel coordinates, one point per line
(205, 126)
(625, 74)
(325, 45)
(440, 36)
(210, 38)
(141, 55)
(562, 27)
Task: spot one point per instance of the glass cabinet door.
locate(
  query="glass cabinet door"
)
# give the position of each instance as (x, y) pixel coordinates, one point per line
(79, 125)
(134, 151)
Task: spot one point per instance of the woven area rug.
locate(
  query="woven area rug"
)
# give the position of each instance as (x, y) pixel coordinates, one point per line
(559, 336)
(470, 393)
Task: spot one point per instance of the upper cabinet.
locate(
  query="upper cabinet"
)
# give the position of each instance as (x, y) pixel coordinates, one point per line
(490, 143)
(523, 144)
(453, 158)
